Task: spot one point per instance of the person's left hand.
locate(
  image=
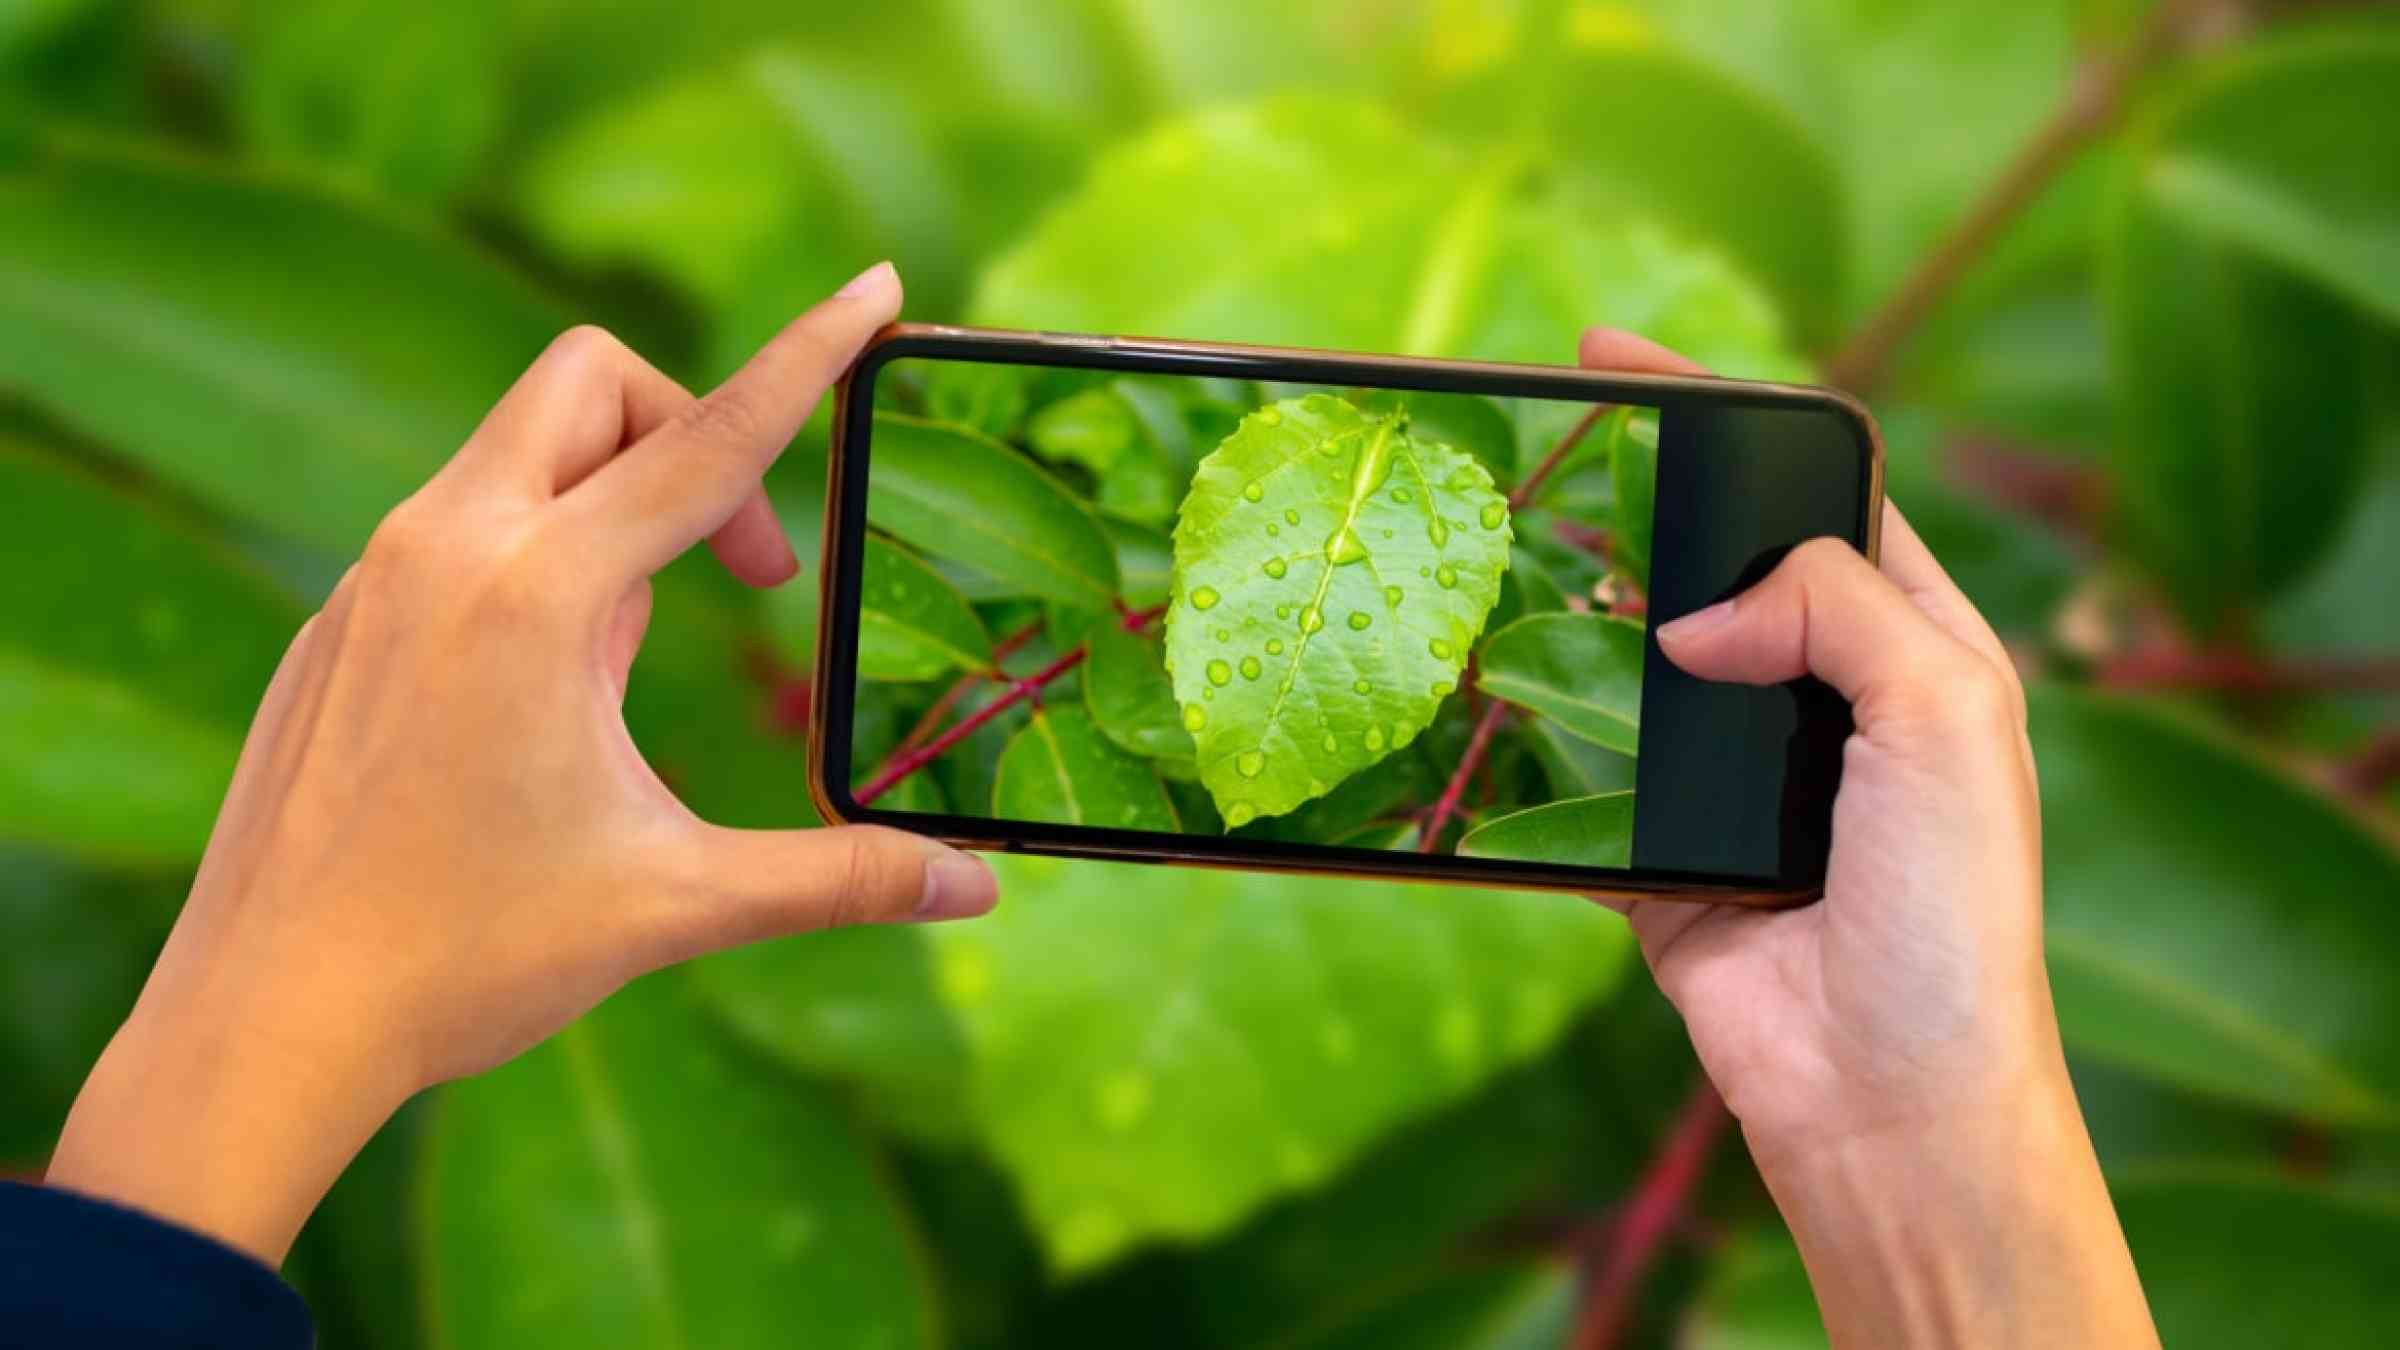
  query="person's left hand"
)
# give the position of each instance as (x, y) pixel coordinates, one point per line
(440, 844)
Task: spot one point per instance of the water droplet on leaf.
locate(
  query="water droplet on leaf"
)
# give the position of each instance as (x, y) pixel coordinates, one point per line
(1193, 718)
(1446, 576)
(1493, 514)
(1344, 546)
(1361, 687)
(1440, 649)
(1311, 620)
(1249, 763)
(1359, 619)
(1239, 814)
(1438, 530)
(1274, 646)
(1274, 568)
(1250, 667)
(1443, 687)
(1290, 516)
(1374, 738)
(1219, 673)
(1393, 595)
(1331, 744)
(1268, 417)
(1402, 495)
(1253, 491)
(1204, 598)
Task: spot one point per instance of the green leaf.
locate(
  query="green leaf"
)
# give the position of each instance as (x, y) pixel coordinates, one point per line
(757, 187)
(632, 1182)
(913, 624)
(1145, 562)
(1358, 235)
(2219, 356)
(2210, 921)
(75, 947)
(1125, 686)
(1156, 1054)
(1649, 128)
(404, 102)
(1333, 572)
(1586, 831)
(1094, 428)
(2280, 155)
(2228, 1259)
(133, 650)
(950, 493)
(1061, 769)
(1633, 468)
(856, 1005)
(302, 362)
(1519, 1306)
(1583, 671)
(1575, 766)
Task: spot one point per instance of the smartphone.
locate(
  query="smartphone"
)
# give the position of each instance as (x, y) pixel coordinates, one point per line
(1181, 602)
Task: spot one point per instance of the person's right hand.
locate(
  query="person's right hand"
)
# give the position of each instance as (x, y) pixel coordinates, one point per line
(1891, 1051)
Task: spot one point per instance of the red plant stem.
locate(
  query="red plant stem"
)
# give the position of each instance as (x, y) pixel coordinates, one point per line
(2242, 672)
(1657, 1208)
(2366, 774)
(932, 719)
(912, 756)
(1494, 712)
(902, 765)
(1558, 453)
(2094, 97)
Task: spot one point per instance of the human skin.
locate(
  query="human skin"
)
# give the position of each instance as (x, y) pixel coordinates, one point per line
(440, 846)
(1892, 1051)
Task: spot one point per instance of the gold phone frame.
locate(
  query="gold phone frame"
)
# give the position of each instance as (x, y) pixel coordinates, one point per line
(1484, 872)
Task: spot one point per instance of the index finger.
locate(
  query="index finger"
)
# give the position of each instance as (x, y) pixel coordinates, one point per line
(685, 480)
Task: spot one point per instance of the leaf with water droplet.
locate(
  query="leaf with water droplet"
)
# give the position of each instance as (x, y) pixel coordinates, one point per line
(1583, 671)
(1063, 770)
(1368, 680)
(913, 624)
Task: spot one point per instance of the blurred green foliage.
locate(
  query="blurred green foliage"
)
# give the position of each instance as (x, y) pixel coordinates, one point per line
(263, 265)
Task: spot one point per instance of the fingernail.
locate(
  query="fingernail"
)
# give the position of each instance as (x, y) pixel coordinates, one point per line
(957, 886)
(1697, 622)
(877, 278)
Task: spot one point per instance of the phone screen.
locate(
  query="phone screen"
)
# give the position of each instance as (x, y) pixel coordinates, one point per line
(1354, 615)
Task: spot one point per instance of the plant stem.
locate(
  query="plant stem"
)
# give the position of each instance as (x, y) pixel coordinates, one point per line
(2366, 774)
(932, 719)
(2236, 671)
(1494, 712)
(2094, 98)
(1658, 1206)
(1558, 453)
(902, 765)
(915, 752)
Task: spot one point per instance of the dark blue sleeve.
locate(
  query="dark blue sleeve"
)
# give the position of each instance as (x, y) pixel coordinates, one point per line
(80, 1272)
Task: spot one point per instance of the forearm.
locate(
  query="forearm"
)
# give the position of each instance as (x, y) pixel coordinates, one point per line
(1994, 1230)
(227, 1126)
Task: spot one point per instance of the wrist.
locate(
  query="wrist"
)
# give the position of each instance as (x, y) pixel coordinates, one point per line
(1985, 1225)
(224, 1118)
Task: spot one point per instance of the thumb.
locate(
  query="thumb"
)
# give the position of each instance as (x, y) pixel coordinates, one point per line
(750, 885)
(1826, 611)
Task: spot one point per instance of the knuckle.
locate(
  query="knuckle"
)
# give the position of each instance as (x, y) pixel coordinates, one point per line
(405, 540)
(586, 344)
(1819, 556)
(876, 879)
(727, 416)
